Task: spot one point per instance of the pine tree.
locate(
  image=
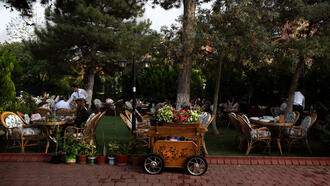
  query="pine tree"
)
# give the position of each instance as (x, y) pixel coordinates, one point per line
(7, 93)
(89, 35)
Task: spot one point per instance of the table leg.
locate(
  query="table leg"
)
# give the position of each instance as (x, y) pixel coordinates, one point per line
(279, 144)
(48, 141)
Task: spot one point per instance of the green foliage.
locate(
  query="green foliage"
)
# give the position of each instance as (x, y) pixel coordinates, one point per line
(7, 93)
(72, 146)
(113, 148)
(26, 106)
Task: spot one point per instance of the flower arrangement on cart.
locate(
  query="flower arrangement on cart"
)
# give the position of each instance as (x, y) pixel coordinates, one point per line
(167, 114)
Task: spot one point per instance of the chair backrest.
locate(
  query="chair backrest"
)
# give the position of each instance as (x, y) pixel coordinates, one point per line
(64, 112)
(43, 111)
(233, 119)
(98, 120)
(206, 119)
(10, 120)
(89, 126)
(246, 128)
(297, 117)
(127, 122)
(313, 120)
(290, 117)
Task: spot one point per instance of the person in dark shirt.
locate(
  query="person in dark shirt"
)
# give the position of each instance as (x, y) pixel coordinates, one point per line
(82, 113)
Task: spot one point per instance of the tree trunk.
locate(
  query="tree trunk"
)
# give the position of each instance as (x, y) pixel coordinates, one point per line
(215, 98)
(294, 82)
(183, 94)
(90, 86)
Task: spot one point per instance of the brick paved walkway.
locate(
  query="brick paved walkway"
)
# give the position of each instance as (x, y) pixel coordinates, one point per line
(38, 173)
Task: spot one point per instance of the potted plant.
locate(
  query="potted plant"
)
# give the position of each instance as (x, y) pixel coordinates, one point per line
(113, 148)
(72, 148)
(138, 151)
(82, 156)
(101, 158)
(91, 151)
(122, 154)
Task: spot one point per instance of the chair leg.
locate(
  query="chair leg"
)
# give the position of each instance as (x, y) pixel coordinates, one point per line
(203, 144)
(289, 145)
(308, 146)
(249, 148)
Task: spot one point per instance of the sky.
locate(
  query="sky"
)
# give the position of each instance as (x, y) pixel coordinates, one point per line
(158, 16)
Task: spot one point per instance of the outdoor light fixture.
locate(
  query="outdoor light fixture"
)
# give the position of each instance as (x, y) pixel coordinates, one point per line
(122, 64)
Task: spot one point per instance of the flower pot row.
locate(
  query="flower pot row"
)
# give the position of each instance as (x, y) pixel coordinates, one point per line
(111, 160)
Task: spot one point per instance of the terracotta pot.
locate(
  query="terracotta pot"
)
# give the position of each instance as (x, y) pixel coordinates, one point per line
(82, 159)
(121, 159)
(137, 160)
(101, 160)
(70, 161)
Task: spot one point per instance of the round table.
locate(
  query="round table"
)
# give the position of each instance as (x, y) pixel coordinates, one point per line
(272, 124)
(48, 130)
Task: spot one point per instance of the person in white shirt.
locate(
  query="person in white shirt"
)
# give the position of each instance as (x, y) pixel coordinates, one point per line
(298, 103)
(63, 103)
(78, 93)
(283, 105)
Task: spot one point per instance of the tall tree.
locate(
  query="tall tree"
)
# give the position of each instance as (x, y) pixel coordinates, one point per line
(187, 41)
(232, 33)
(304, 30)
(87, 35)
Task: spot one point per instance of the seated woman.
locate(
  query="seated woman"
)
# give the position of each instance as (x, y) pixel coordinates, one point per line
(82, 113)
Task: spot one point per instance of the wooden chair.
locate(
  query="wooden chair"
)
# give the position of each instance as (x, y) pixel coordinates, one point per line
(206, 121)
(20, 134)
(300, 133)
(254, 135)
(44, 112)
(239, 133)
(141, 133)
(85, 133)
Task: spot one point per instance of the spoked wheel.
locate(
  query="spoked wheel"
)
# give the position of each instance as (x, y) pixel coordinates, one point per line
(196, 165)
(153, 164)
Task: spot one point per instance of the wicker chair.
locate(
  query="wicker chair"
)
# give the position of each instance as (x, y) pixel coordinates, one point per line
(20, 134)
(64, 112)
(239, 132)
(85, 133)
(140, 121)
(206, 120)
(96, 123)
(254, 135)
(141, 133)
(300, 133)
(44, 112)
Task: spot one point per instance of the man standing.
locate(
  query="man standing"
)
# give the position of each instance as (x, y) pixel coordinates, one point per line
(298, 103)
(78, 93)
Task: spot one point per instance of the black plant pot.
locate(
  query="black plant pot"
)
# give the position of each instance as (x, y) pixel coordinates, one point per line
(56, 158)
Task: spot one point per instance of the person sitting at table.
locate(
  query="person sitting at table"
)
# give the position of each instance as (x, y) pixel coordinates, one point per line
(283, 105)
(63, 103)
(82, 113)
(298, 104)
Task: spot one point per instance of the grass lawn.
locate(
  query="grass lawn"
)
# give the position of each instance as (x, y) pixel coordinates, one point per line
(114, 129)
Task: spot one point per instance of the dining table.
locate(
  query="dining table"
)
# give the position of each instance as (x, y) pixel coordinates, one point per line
(48, 127)
(271, 124)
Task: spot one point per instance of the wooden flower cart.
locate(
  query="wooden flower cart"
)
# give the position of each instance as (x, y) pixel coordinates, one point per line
(184, 153)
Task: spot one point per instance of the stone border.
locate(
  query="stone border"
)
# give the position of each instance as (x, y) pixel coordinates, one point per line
(214, 160)
(268, 160)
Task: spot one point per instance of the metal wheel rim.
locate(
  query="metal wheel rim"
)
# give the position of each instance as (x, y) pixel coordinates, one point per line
(196, 166)
(153, 164)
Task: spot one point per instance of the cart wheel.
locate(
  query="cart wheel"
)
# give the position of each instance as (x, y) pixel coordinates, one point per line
(153, 164)
(196, 165)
